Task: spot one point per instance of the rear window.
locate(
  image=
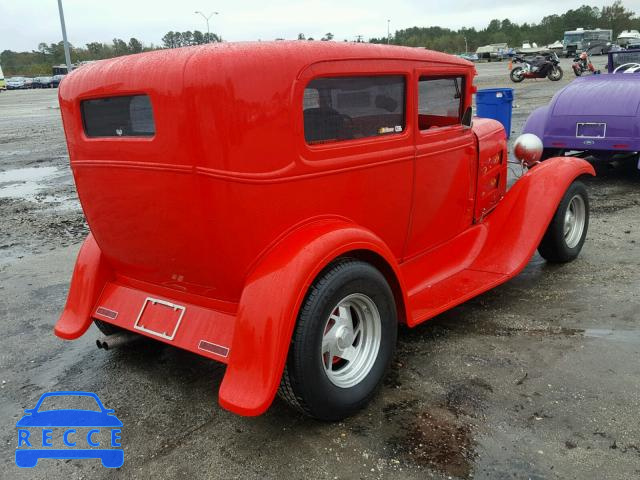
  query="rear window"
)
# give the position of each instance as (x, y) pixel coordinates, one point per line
(130, 116)
(346, 108)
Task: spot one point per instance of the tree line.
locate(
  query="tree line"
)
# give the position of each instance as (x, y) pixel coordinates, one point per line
(551, 28)
(40, 61)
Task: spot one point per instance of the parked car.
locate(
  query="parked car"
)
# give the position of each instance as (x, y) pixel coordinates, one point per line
(286, 226)
(28, 82)
(16, 83)
(594, 116)
(43, 82)
(56, 79)
(3, 83)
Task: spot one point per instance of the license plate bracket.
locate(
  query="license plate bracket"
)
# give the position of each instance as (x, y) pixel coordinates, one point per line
(159, 318)
(591, 130)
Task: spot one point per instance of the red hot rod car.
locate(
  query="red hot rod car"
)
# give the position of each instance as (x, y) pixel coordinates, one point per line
(281, 207)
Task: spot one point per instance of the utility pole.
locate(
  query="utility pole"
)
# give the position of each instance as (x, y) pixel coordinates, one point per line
(198, 12)
(466, 48)
(388, 34)
(67, 56)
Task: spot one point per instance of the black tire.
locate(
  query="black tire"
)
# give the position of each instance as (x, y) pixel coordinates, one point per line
(517, 75)
(556, 74)
(577, 71)
(106, 328)
(554, 247)
(305, 384)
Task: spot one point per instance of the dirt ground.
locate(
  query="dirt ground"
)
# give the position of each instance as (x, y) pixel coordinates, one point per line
(538, 379)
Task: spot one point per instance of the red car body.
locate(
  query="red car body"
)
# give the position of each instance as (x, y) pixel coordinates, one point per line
(226, 214)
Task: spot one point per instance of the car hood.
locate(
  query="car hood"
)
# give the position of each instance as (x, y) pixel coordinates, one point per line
(614, 94)
(69, 418)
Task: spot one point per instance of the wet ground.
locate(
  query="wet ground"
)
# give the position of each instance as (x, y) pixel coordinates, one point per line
(539, 378)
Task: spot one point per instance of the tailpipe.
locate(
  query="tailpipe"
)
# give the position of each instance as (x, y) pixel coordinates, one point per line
(116, 340)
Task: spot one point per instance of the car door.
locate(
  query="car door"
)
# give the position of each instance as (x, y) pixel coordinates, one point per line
(445, 161)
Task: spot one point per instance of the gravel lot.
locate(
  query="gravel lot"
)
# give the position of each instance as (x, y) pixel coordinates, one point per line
(539, 378)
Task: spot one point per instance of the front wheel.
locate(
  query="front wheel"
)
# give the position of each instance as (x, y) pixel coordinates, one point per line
(577, 71)
(555, 74)
(517, 75)
(343, 342)
(565, 235)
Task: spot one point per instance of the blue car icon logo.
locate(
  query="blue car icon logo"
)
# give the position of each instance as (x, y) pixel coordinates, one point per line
(64, 433)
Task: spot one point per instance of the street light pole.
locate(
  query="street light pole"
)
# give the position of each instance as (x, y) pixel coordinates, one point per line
(388, 35)
(466, 48)
(198, 12)
(67, 56)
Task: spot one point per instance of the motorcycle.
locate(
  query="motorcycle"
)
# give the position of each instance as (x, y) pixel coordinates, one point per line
(582, 63)
(547, 66)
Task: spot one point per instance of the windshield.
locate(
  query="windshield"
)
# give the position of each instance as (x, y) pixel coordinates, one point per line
(572, 37)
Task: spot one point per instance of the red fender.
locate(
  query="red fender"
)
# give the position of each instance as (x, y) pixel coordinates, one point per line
(269, 306)
(520, 220)
(90, 275)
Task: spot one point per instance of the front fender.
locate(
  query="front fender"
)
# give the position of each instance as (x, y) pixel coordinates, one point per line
(516, 226)
(269, 305)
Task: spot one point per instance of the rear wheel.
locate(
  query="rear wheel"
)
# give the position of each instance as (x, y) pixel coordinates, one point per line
(565, 235)
(517, 75)
(343, 342)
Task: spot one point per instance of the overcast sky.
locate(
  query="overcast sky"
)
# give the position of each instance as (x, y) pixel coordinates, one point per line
(25, 23)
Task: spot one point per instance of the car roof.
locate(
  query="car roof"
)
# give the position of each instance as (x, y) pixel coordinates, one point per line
(298, 53)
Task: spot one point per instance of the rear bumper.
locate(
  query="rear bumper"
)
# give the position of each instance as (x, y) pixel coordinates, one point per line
(96, 293)
(204, 331)
(621, 144)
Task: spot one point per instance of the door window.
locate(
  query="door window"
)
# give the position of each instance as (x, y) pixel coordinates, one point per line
(346, 108)
(440, 102)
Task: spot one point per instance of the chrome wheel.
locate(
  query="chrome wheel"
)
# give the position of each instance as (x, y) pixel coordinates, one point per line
(351, 340)
(574, 221)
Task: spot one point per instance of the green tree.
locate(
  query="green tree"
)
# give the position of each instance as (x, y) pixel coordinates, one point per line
(135, 45)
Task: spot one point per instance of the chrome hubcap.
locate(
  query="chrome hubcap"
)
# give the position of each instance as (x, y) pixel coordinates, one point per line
(351, 340)
(574, 220)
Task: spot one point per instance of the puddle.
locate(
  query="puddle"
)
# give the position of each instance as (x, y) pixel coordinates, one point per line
(626, 336)
(25, 183)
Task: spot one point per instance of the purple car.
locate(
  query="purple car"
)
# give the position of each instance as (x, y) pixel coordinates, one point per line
(597, 116)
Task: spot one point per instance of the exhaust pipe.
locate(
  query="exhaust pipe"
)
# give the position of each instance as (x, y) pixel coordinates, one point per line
(116, 340)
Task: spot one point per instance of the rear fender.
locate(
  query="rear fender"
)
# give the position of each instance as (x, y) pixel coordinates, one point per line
(90, 275)
(269, 305)
(520, 220)
(536, 122)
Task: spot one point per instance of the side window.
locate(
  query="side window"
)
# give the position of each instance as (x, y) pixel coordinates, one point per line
(345, 108)
(440, 102)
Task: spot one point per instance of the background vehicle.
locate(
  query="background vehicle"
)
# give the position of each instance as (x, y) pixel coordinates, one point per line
(594, 116)
(227, 243)
(42, 82)
(541, 66)
(16, 83)
(3, 83)
(581, 64)
(493, 52)
(596, 41)
(627, 37)
(56, 79)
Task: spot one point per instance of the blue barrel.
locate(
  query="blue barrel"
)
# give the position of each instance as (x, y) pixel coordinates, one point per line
(496, 103)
